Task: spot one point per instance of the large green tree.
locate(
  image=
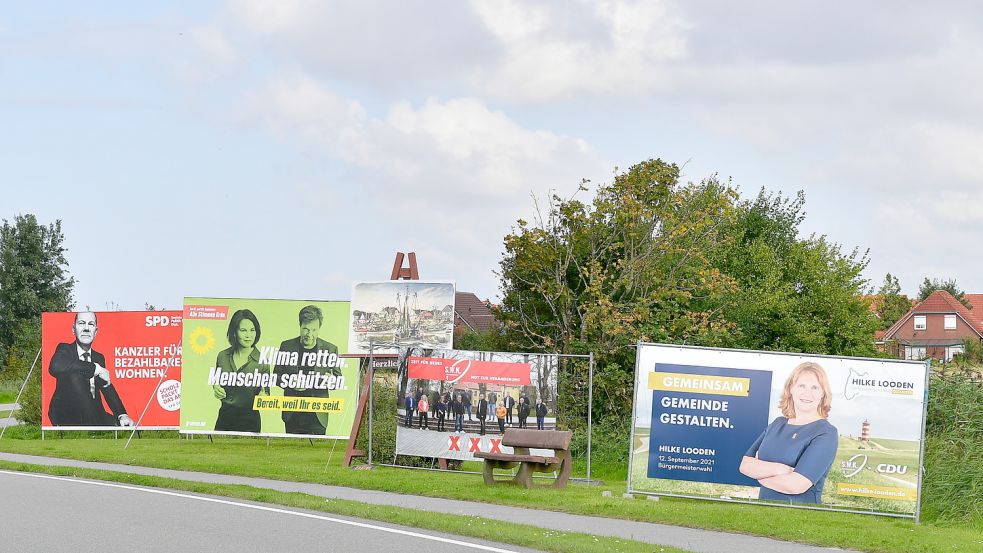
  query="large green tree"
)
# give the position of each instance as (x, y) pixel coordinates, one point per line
(597, 277)
(794, 293)
(651, 259)
(33, 278)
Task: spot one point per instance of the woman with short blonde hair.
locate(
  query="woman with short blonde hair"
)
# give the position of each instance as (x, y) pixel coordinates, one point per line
(788, 406)
(791, 458)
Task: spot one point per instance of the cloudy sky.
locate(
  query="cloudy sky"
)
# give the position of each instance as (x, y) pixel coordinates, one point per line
(287, 148)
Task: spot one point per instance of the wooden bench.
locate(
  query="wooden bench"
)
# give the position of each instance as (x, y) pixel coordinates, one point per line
(521, 441)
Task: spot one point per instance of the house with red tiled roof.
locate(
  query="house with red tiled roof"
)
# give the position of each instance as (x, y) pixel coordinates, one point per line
(937, 327)
(471, 313)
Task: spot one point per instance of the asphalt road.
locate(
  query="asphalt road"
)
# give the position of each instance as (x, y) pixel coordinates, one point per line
(689, 539)
(53, 513)
(8, 420)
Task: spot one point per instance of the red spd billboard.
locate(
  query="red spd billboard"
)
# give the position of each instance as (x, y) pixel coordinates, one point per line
(100, 370)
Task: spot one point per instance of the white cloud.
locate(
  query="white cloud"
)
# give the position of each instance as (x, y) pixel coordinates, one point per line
(301, 107)
(609, 48)
(457, 150)
(210, 56)
(950, 152)
(448, 177)
(215, 46)
(870, 111)
(273, 17)
(931, 233)
(392, 46)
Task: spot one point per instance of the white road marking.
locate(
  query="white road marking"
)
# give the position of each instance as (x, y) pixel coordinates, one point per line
(264, 508)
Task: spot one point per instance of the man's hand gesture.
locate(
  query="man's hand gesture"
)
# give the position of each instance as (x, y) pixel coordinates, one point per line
(102, 373)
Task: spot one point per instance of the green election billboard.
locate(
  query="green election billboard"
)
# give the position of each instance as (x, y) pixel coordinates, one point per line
(267, 368)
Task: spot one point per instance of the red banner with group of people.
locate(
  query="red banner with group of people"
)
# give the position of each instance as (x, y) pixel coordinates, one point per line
(456, 403)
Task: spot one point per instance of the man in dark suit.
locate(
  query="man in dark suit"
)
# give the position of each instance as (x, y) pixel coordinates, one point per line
(482, 412)
(82, 381)
(457, 407)
(467, 404)
(509, 404)
(408, 407)
(541, 411)
(307, 347)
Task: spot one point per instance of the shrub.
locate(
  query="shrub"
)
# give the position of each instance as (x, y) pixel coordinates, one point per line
(22, 355)
(954, 448)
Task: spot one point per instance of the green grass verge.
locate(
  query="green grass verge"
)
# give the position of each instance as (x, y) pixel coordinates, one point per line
(471, 526)
(297, 460)
(8, 392)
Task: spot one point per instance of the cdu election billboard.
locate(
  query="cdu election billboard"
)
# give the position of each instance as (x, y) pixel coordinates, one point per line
(101, 370)
(267, 368)
(837, 433)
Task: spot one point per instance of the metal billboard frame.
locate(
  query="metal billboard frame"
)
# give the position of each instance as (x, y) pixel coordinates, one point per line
(921, 454)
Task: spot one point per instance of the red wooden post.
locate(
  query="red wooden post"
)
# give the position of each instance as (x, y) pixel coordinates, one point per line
(405, 273)
(351, 450)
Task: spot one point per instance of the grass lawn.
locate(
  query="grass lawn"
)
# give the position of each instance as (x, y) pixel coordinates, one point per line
(297, 460)
(462, 525)
(8, 392)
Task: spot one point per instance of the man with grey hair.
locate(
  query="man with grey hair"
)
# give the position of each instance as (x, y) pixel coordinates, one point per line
(82, 381)
(306, 346)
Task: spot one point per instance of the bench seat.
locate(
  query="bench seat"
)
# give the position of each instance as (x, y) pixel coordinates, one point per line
(517, 458)
(521, 441)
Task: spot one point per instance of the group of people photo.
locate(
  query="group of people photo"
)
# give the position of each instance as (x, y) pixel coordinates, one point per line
(462, 406)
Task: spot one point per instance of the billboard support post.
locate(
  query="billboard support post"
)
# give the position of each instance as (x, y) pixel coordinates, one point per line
(371, 378)
(634, 401)
(590, 409)
(921, 453)
(22, 386)
(150, 399)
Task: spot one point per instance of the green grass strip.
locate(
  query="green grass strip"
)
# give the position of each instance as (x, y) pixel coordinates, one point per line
(461, 525)
(297, 460)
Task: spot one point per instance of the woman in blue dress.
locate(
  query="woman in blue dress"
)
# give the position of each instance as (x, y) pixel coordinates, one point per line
(792, 456)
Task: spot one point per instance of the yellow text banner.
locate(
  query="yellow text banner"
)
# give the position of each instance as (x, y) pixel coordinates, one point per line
(299, 404)
(699, 384)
